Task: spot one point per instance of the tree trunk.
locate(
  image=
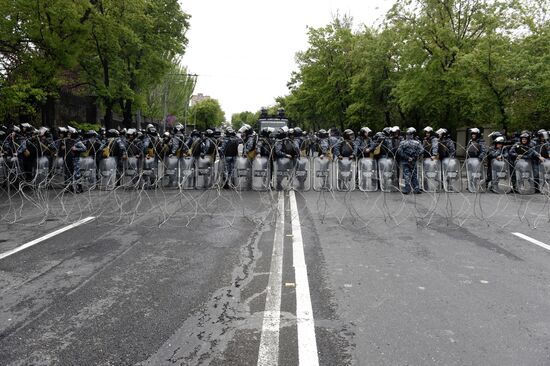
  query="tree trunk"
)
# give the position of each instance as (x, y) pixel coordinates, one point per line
(127, 120)
(108, 119)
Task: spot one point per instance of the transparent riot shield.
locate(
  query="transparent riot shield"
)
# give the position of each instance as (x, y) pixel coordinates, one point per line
(130, 173)
(261, 174)
(58, 173)
(452, 178)
(500, 174)
(322, 174)
(150, 173)
(525, 183)
(367, 172)
(544, 174)
(42, 172)
(204, 173)
(242, 173)
(345, 174)
(387, 171)
(3, 171)
(431, 175)
(171, 172)
(302, 180)
(475, 174)
(283, 170)
(88, 173)
(218, 171)
(187, 172)
(107, 174)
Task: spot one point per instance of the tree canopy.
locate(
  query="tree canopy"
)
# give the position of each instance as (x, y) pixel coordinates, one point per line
(448, 63)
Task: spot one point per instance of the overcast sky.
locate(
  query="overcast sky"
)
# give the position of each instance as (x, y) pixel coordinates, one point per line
(243, 50)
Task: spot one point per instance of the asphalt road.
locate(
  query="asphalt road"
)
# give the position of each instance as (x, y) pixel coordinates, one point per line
(229, 278)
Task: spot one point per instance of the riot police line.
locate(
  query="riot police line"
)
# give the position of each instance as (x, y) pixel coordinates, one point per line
(389, 161)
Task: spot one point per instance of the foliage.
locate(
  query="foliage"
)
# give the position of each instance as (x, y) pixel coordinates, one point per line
(207, 114)
(448, 63)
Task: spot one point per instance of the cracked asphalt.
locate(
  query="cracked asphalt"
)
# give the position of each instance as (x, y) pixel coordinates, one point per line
(180, 278)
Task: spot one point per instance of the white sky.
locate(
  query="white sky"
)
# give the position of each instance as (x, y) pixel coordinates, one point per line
(243, 50)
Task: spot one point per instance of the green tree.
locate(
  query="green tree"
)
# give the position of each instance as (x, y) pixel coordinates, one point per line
(207, 113)
(239, 119)
(130, 47)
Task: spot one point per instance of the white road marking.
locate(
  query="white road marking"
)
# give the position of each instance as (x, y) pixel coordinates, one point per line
(47, 236)
(268, 354)
(307, 344)
(534, 241)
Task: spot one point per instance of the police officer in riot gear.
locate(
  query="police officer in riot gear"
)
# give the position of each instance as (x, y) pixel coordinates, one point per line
(525, 150)
(229, 150)
(409, 151)
(363, 143)
(447, 147)
(475, 148)
(430, 144)
(346, 147)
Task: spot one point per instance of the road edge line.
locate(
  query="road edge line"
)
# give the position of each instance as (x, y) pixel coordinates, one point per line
(45, 237)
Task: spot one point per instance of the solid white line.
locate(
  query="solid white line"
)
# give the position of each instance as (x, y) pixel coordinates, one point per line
(268, 354)
(307, 344)
(47, 236)
(534, 241)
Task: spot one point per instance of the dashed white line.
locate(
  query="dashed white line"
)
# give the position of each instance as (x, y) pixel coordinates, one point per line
(45, 237)
(307, 344)
(268, 354)
(534, 241)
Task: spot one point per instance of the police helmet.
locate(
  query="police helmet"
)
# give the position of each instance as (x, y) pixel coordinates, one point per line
(230, 131)
(91, 133)
(178, 128)
(474, 130)
(364, 131)
(499, 140)
(113, 133)
(151, 130)
(428, 129)
(525, 135)
(298, 132)
(322, 133)
(441, 132)
(495, 134)
(209, 133)
(395, 129)
(386, 131)
(195, 133)
(411, 131)
(245, 129)
(348, 134)
(281, 133)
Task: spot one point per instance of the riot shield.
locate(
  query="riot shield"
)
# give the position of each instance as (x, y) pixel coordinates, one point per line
(170, 172)
(149, 173)
(261, 176)
(345, 174)
(475, 175)
(242, 173)
(322, 174)
(452, 179)
(431, 175)
(544, 173)
(367, 172)
(88, 173)
(187, 172)
(42, 172)
(58, 173)
(283, 169)
(387, 171)
(3, 171)
(107, 174)
(130, 173)
(301, 180)
(500, 177)
(204, 173)
(525, 183)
